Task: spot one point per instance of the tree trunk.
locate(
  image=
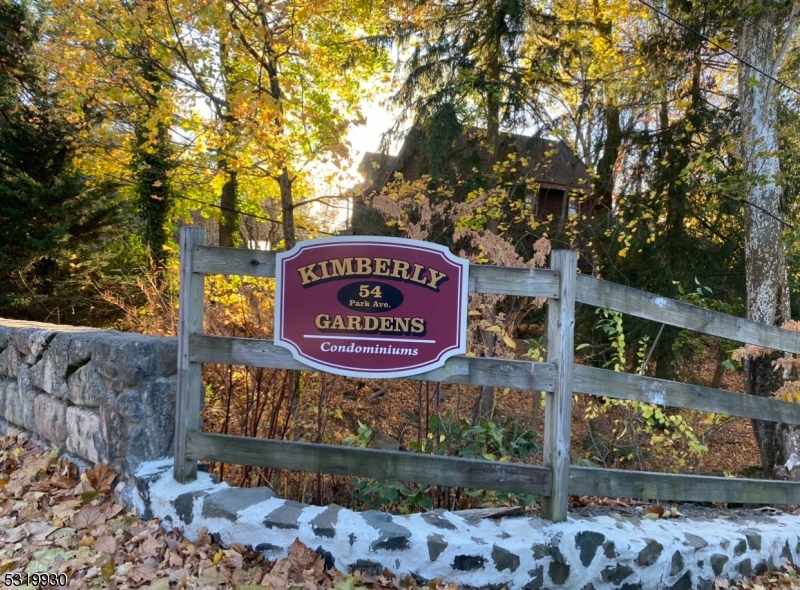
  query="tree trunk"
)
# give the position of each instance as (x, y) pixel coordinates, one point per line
(152, 157)
(765, 259)
(287, 210)
(604, 188)
(229, 221)
(229, 232)
(485, 407)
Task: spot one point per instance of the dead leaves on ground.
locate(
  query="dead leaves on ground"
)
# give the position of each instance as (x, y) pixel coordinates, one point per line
(54, 520)
(660, 511)
(785, 579)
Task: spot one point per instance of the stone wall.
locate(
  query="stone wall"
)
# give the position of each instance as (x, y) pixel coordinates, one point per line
(620, 550)
(103, 396)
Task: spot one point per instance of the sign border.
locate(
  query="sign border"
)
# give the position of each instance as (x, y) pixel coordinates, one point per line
(282, 258)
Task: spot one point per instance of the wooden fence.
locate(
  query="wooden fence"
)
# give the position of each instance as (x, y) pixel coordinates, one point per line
(558, 377)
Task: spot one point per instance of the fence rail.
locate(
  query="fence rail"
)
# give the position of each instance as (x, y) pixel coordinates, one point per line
(517, 478)
(684, 315)
(463, 370)
(559, 378)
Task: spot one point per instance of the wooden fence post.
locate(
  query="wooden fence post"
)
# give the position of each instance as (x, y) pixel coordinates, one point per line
(558, 409)
(190, 384)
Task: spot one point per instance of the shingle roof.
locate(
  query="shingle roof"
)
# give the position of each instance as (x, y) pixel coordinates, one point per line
(550, 161)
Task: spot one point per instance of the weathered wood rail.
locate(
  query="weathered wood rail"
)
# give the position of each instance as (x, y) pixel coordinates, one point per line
(559, 378)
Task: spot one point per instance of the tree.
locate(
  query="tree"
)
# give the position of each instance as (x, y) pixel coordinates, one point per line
(466, 65)
(766, 33)
(52, 222)
(279, 84)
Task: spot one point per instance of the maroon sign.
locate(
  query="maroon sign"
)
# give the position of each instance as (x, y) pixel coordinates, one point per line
(371, 307)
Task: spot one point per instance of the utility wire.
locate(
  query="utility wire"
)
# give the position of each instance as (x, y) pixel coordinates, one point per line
(748, 64)
(718, 46)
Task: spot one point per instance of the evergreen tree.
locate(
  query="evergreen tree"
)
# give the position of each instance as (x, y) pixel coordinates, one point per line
(50, 218)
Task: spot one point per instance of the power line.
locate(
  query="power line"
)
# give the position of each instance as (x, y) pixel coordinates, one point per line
(718, 46)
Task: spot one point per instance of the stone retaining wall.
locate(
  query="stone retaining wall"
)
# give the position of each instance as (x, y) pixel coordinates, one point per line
(103, 396)
(619, 551)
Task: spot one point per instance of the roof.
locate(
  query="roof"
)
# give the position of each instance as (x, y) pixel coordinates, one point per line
(551, 162)
(374, 167)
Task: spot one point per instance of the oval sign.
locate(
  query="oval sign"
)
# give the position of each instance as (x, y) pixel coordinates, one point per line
(371, 307)
(369, 296)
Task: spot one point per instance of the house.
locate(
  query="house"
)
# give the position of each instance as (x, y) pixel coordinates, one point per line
(561, 184)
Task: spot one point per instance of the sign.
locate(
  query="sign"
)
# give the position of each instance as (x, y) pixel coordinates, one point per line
(371, 307)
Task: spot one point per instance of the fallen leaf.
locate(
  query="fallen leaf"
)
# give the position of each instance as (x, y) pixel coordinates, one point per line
(275, 583)
(106, 544)
(59, 481)
(34, 467)
(38, 531)
(302, 556)
(15, 535)
(64, 510)
(658, 510)
(175, 560)
(150, 547)
(88, 516)
(6, 506)
(113, 510)
(203, 538)
(140, 573)
(101, 478)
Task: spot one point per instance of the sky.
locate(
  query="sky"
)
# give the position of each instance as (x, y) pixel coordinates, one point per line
(362, 138)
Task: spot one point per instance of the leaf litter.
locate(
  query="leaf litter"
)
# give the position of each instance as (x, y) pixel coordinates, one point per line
(55, 520)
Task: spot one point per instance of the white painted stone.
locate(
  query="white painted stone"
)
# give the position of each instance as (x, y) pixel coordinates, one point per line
(478, 539)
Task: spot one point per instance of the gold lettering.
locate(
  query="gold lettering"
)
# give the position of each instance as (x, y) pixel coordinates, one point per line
(386, 325)
(417, 278)
(382, 267)
(417, 325)
(338, 323)
(342, 268)
(354, 322)
(307, 275)
(363, 266)
(323, 321)
(400, 269)
(402, 324)
(370, 323)
(323, 267)
(436, 278)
